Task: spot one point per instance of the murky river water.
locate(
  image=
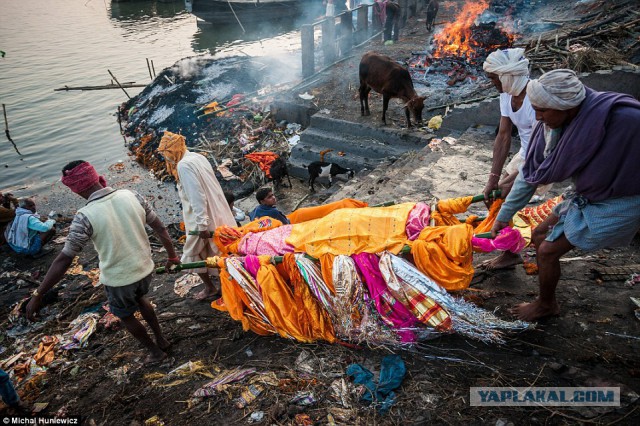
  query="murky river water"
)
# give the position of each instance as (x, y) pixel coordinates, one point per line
(52, 44)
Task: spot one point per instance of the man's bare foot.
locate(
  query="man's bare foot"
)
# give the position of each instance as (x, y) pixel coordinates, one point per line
(504, 260)
(535, 310)
(207, 294)
(155, 357)
(163, 344)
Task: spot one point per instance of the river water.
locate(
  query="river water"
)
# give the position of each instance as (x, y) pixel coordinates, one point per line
(52, 44)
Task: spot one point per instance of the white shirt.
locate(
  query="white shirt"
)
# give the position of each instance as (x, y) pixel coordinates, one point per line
(524, 119)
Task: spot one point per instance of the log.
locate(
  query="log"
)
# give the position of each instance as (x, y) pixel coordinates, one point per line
(103, 87)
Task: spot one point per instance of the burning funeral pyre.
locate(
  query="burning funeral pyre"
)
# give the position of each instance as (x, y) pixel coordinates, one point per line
(458, 51)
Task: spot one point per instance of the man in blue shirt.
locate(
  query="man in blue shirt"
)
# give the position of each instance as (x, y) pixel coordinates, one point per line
(27, 233)
(267, 206)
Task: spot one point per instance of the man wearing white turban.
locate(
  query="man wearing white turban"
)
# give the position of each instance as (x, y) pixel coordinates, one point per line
(508, 70)
(592, 138)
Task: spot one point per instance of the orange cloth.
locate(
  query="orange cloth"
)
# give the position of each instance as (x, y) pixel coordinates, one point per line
(237, 304)
(326, 267)
(227, 238)
(487, 223)
(349, 231)
(446, 209)
(46, 350)
(264, 160)
(445, 254)
(534, 216)
(282, 308)
(172, 147)
(309, 213)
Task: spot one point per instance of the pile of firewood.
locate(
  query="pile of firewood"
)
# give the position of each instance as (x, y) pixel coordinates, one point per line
(605, 37)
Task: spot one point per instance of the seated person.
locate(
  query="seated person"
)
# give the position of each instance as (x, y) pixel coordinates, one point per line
(8, 204)
(27, 233)
(238, 214)
(267, 206)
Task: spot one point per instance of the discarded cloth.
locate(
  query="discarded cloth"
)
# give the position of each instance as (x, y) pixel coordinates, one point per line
(392, 372)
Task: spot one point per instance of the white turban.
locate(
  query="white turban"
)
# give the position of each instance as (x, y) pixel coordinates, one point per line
(511, 67)
(558, 89)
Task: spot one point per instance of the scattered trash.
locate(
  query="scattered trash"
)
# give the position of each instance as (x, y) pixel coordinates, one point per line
(293, 141)
(324, 111)
(306, 96)
(435, 122)
(249, 352)
(81, 329)
(38, 407)
(46, 351)
(248, 395)
(154, 421)
(304, 419)
(341, 392)
(435, 144)
(303, 399)
(450, 140)
(256, 417)
(185, 283)
(392, 373)
(225, 377)
(119, 375)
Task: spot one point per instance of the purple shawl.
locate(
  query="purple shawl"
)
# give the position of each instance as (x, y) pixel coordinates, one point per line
(599, 149)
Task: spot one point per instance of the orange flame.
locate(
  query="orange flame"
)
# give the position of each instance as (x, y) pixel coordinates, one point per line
(454, 38)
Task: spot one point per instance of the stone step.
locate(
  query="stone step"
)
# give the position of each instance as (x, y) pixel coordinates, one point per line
(364, 147)
(302, 155)
(372, 129)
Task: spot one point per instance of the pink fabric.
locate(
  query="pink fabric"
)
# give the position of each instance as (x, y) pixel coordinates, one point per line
(82, 177)
(418, 219)
(251, 265)
(394, 313)
(508, 239)
(271, 242)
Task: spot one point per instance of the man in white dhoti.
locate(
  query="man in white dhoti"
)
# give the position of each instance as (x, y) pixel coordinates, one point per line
(204, 206)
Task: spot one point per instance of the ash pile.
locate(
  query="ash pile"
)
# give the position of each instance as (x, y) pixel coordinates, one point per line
(221, 106)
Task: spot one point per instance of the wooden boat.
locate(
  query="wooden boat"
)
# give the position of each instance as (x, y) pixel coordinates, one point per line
(245, 11)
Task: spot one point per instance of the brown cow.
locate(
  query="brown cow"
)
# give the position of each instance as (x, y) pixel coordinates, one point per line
(382, 74)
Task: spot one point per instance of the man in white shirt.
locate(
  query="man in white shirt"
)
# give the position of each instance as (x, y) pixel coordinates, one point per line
(508, 70)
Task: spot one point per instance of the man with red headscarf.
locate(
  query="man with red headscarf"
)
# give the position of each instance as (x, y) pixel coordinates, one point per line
(114, 220)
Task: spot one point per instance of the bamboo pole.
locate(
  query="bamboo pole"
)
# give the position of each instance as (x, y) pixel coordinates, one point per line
(149, 68)
(6, 129)
(104, 87)
(118, 83)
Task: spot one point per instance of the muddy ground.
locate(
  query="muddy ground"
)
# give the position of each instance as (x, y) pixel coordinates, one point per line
(594, 341)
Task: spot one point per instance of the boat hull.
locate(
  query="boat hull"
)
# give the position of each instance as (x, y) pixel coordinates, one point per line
(222, 12)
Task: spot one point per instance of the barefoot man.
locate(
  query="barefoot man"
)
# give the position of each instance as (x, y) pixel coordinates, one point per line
(204, 206)
(114, 220)
(592, 138)
(508, 70)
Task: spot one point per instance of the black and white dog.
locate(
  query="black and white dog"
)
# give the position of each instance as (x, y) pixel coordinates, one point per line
(329, 170)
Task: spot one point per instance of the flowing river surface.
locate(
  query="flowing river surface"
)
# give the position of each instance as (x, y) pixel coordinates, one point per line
(52, 44)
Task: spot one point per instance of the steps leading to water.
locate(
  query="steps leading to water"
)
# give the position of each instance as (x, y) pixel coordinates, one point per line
(361, 146)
